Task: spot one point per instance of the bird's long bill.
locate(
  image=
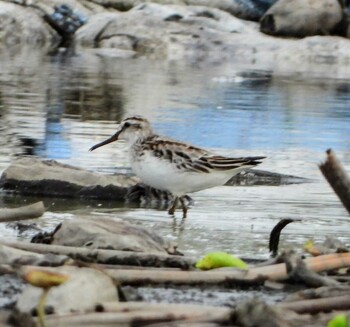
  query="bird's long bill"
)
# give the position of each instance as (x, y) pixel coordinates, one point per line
(109, 140)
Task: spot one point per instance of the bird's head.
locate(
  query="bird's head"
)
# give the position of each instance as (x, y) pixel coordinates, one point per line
(130, 129)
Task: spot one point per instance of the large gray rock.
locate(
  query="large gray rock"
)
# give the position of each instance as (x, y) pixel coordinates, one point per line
(202, 34)
(112, 234)
(33, 176)
(20, 25)
(163, 32)
(244, 9)
(300, 18)
(82, 291)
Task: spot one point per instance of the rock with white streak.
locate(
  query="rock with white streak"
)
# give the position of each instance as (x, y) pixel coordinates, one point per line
(84, 289)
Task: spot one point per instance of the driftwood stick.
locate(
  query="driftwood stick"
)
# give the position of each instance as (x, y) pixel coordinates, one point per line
(168, 312)
(31, 211)
(221, 277)
(317, 305)
(317, 264)
(140, 313)
(275, 272)
(135, 306)
(337, 177)
(108, 256)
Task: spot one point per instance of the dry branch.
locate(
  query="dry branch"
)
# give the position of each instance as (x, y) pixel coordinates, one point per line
(227, 277)
(136, 306)
(144, 277)
(275, 272)
(221, 277)
(317, 305)
(31, 211)
(337, 177)
(107, 256)
(317, 264)
(142, 313)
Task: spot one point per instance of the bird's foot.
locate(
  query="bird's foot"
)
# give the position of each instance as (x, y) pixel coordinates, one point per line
(184, 208)
(172, 209)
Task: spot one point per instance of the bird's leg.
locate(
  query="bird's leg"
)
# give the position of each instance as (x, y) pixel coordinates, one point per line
(184, 207)
(173, 207)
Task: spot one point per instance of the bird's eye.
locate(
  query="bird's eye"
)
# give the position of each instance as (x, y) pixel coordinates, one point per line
(127, 124)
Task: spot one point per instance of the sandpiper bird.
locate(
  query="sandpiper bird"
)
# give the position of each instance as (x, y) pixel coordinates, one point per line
(170, 165)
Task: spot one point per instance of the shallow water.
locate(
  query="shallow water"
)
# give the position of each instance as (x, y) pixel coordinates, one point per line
(58, 107)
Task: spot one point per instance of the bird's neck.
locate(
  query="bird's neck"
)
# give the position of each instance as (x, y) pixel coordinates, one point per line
(139, 138)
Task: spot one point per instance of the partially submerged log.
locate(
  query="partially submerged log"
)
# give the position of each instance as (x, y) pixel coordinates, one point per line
(337, 177)
(251, 177)
(30, 211)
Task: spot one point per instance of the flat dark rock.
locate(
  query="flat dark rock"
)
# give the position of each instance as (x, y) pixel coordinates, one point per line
(33, 176)
(49, 178)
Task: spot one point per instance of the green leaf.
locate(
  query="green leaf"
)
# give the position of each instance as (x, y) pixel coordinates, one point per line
(338, 321)
(220, 259)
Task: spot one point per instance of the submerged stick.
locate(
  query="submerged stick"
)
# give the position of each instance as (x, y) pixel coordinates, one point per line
(31, 211)
(275, 235)
(337, 177)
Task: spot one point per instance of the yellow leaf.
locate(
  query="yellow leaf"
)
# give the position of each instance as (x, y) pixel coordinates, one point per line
(45, 279)
(310, 247)
(220, 259)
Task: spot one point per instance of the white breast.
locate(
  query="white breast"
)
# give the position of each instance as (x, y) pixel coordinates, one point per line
(163, 175)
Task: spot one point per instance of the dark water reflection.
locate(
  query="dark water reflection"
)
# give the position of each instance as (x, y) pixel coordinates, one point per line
(57, 107)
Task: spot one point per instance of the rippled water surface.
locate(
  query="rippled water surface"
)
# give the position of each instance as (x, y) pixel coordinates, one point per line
(58, 107)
